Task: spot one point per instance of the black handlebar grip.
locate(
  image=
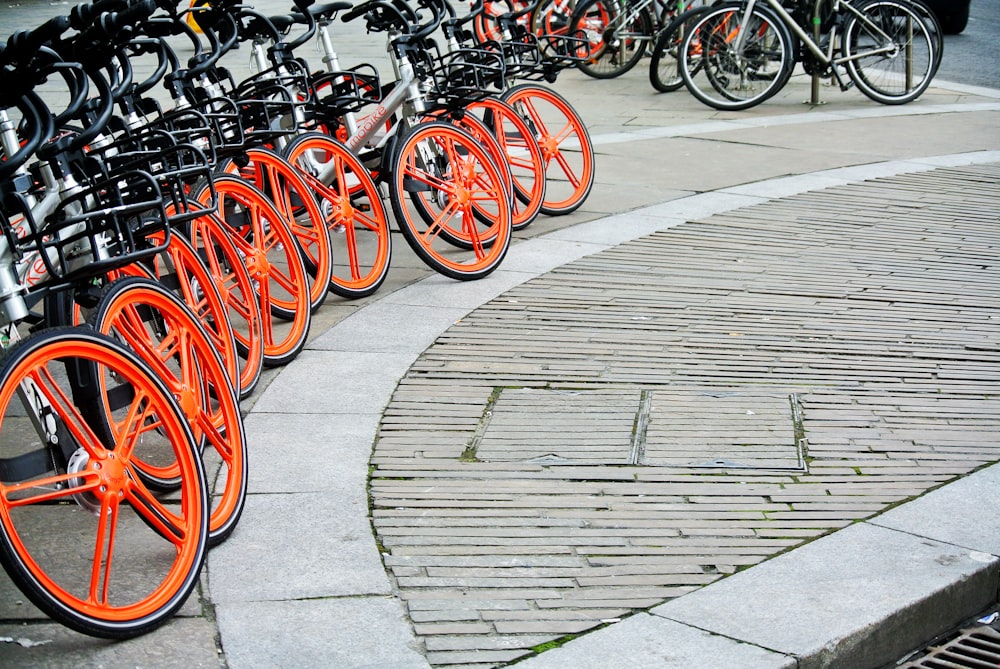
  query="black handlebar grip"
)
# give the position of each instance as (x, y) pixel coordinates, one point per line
(84, 14)
(25, 43)
(102, 38)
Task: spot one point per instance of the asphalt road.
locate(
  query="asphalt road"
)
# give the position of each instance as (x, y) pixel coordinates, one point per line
(974, 56)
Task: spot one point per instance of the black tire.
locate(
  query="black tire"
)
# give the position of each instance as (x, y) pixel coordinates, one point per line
(901, 74)
(167, 335)
(616, 40)
(442, 161)
(664, 65)
(719, 76)
(47, 543)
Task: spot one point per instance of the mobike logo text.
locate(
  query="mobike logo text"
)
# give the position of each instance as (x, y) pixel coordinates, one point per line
(366, 126)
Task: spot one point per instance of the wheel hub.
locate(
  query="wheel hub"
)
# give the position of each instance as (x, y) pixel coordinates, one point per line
(257, 264)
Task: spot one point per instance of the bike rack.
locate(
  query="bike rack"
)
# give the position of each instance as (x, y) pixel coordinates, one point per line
(816, 21)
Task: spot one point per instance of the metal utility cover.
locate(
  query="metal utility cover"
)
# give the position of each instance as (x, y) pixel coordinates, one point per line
(633, 426)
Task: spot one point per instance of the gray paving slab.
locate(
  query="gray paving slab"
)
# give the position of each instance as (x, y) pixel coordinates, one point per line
(350, 382)
(388, 327)
(872, 594)
(643, 641)
(299, 546)
(183, 643)
(958, 513)
(357, 632)
(318, 453)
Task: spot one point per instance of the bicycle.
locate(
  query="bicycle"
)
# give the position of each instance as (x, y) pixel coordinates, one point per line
(79, 413)
(739, 54)
(561, 134)
(443, 185)
(619, 32)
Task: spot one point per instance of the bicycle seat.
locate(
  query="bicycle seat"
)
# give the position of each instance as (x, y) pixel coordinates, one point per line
(328, 10)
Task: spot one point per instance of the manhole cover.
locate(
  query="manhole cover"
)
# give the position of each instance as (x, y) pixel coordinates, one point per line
(648, 427)
(724, 430)
(559, 426)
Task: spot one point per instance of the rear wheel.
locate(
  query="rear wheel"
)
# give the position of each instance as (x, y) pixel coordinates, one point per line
(80, 534)
(902, 58)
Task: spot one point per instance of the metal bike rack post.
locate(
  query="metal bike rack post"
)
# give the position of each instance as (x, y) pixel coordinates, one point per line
(816, 21)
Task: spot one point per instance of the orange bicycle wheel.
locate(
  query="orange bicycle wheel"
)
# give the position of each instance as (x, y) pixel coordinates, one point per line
(565, 144)
(352, 209)
(522, 154)
(283, 184)
(163, 331)
(441, 162)
(229, 275)
(80, 534)
(268, 249)
(180, 268)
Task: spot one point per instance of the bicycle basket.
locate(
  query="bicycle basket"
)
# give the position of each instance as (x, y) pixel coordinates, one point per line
(267, 102)
(467, 75)
(175, 167)
(562, 51)
(111, 224)
(338, 93)
(537, 57)
(224, 123)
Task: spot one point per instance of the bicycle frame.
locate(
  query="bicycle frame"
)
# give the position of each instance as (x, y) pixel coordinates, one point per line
(827, 59)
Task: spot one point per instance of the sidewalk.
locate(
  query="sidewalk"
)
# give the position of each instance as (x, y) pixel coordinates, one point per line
(844, 256)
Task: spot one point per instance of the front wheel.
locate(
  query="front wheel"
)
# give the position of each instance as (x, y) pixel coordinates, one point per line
(165, 333)
(442, 163)
(352, 211)
(270, 254)
(732, 68)
(665, 63)
(81, 535)
(890, 53)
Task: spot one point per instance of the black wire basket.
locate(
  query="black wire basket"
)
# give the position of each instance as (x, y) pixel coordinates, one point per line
(339, 93)
(541, 57)
(108, 225)
(272, 102)
(179, 170)
(467, 75)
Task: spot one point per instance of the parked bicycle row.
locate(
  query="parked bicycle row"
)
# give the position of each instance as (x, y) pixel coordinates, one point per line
(734, 54)
(160, 250)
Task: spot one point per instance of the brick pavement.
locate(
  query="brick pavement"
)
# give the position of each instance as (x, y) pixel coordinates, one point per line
(642, 422)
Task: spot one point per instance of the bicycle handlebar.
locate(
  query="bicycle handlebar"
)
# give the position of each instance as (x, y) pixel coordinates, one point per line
(24, 44)
(96, 44)
(84, 14)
